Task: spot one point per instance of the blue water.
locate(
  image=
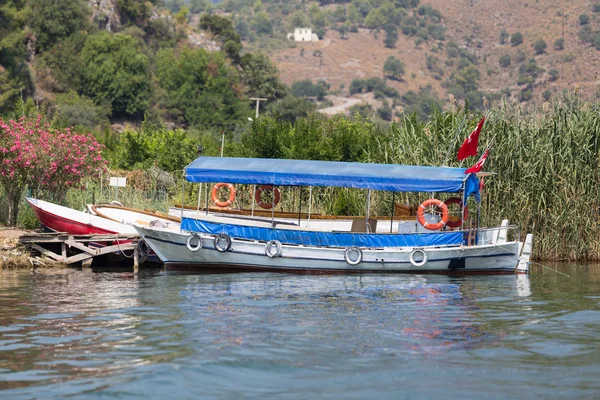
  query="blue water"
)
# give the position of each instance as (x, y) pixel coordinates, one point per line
(282, 336)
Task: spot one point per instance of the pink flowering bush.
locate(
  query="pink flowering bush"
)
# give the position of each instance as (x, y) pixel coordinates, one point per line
(34, 155)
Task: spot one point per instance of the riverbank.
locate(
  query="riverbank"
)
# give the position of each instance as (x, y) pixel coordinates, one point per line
(15, 256)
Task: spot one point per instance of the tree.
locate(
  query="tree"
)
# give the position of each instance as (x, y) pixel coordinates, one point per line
(504, 61)
(540, 46)
(54, 20)
(261, 77)
(554, 74)
(559, 44)
(547, 94)
(200, 88)
(116, 70)
(290, 108)
(584, 19)
(391, 36)
(504, 35)
(14, 73)
(393, 68)
(306, 88)
(262, 24)
(516, 38)
(343, 30)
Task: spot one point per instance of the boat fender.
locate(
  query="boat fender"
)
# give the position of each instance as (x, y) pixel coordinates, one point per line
(348, 255)
(273, 248)
(421, 214)
(229, 201)
(142, 249)
(263, 204)
(412, 257)
(222, 237)
(456, 223)
(198, 246)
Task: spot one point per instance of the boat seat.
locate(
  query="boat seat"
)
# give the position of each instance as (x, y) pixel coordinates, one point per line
(361, 225)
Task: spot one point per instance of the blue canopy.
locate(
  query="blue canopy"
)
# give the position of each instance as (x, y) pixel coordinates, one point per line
(263, 171)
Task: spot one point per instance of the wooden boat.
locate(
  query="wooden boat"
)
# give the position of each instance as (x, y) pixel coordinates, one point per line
(130, 216)
(213, 241)
(63, 219)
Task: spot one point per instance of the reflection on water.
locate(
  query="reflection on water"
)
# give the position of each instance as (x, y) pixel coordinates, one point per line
(291, 336)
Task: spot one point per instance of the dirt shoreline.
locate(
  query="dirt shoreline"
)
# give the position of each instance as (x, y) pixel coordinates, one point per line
(15, 256)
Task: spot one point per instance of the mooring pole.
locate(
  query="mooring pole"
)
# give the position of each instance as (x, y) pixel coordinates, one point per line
(393, 210)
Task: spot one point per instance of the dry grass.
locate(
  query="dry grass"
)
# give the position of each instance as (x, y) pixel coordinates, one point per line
(477, 22)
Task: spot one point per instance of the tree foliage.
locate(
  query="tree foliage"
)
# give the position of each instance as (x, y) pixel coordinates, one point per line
(54, 20)
(116, 71)
(154, 144)
(393, 68)
(201, 89)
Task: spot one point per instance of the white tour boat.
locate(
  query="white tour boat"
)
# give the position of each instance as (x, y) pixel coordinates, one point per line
(222, 241)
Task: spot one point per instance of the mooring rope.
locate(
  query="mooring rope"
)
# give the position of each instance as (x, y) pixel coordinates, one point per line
(540, 264)
(123, 252)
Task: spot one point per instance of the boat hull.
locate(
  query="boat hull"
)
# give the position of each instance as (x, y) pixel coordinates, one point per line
(63, 219)
(250, 255)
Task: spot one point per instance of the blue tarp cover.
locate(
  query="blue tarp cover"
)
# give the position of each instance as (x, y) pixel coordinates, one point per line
(399, 178)
(337, 239)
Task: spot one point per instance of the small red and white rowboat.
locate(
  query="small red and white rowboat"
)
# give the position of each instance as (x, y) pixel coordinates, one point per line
(63, 219)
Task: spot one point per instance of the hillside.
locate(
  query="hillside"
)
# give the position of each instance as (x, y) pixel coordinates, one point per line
(475, 27)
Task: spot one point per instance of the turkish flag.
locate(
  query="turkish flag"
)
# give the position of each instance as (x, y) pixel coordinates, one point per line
(477, 167)
(469, 146)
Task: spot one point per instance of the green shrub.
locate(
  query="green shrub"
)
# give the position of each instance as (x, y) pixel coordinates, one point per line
(559, 44)
(504, 61)
(584, 19)
(540, 46)
(516, 38)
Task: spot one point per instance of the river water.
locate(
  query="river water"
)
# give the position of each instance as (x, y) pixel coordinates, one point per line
(282, 336)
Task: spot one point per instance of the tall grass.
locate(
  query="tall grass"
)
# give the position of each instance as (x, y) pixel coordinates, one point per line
(546, 163)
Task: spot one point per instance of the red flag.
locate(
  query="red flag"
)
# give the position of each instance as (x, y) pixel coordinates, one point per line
(469, 146)
(477, 167)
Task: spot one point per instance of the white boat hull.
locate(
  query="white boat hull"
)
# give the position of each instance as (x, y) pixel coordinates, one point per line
(172, 248)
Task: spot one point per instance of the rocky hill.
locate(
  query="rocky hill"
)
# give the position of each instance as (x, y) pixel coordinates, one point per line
(556, 51)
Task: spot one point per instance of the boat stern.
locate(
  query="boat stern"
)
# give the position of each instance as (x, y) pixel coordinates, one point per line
(525, 248)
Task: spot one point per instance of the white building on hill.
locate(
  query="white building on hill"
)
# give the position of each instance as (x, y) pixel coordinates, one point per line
(303, 35)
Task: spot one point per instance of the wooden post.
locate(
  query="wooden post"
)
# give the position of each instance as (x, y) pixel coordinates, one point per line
(86, 264)
(63, 247)
(136, 261)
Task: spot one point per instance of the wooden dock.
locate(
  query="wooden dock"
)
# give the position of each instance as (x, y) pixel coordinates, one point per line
(73, 249)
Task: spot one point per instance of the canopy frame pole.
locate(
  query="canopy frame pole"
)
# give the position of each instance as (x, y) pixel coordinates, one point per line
(199, 197)
(309, 204)
(206, 197)
(182, 195)
(462, 208)
(367, 227)
(393, 210)
(273, 187)
(253, 200)
(300, 206)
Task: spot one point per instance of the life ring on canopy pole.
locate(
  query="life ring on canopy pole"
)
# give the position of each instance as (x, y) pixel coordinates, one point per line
(453, 222)
(436, 203)
(215, 199)
(269, 205)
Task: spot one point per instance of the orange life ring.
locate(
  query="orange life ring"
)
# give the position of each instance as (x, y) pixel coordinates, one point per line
(453, 222)
(229, 201)
(262, 204)
(421, 214)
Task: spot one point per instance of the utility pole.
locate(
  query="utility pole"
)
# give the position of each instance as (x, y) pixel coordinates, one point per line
(258, 100)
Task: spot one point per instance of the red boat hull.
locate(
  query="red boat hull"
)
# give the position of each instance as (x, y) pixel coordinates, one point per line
(61, 224)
